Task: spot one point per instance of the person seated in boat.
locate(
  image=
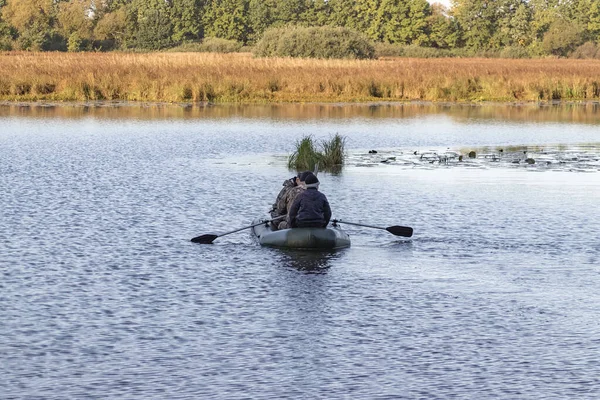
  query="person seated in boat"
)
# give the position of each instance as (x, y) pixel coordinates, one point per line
(310, 209)
(288, 184)
(286, 197)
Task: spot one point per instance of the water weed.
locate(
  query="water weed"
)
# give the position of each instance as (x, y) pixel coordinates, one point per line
(329, 158)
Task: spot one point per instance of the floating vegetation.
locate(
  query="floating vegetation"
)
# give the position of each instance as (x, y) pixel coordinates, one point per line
(329, 158)
(578, 158)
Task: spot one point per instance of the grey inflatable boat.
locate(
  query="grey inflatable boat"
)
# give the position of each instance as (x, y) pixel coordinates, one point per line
(328, 238)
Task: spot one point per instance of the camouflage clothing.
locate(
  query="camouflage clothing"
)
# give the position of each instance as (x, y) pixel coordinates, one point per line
(284, 205)
(288, 184)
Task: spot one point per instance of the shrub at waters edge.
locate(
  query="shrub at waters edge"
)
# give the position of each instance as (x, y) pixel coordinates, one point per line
(306, 156)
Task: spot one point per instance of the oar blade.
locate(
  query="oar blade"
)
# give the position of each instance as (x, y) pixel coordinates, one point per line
(205, 239)
(405, 231)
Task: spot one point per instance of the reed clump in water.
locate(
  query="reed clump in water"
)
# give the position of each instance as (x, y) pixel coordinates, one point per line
(242, 78)
(334, 152)
(307, 156)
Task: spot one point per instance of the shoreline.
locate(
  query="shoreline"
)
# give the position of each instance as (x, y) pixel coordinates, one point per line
(204, 105)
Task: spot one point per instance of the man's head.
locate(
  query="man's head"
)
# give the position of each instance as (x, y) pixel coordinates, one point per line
(311, 181)
(302, 177)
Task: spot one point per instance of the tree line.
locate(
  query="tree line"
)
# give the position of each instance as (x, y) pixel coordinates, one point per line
(532, 27)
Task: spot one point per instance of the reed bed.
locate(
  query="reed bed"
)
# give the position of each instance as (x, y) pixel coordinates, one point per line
(240, 78)
(330, 157)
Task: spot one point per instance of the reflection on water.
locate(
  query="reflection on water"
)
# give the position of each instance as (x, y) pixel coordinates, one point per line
(581, 113)
(311, 262)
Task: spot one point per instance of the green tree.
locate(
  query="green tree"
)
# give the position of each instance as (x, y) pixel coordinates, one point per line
(316, 13)
(514, 24)
(366, 18)
(290, 11)
(261, 16)
(402, 21)
(226, 19)
(476, 20)
(545, 12)
(593, 24)
(443, 32)
(343, 13)
(154, 25)
(187, 22)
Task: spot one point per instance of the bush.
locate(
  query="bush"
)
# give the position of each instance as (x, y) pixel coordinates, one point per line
(515, 52)
(210, 45)
(562, 38)
(314, 42)
(398, 50)
(587, 50)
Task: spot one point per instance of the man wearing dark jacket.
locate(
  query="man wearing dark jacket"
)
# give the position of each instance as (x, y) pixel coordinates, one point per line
(310, 208)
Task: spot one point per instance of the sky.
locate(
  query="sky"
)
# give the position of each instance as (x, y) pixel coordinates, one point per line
(444, 2)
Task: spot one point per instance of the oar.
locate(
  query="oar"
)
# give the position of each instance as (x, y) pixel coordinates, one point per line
(209, 238)
(405, 231)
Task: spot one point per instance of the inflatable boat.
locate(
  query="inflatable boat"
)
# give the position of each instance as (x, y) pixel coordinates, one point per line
(328, 238)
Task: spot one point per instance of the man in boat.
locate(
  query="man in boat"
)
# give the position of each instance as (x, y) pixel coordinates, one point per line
(310, 209)
(291, 188)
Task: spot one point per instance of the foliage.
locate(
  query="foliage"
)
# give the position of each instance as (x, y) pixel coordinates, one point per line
(514, 28)
(413, 51)
(210, 45)
(588, 50)
(313, 42)
(111, 29)
(226, 19)
(334, 152)
(305, 157)
(562, 38)
(154, 25)
(330, 158)
(187, 20)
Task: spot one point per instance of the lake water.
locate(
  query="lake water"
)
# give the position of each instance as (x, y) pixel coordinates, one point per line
(102, 295)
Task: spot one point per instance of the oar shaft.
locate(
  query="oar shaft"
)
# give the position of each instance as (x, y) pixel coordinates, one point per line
(253, 225)
(354, 223)
(405, 231)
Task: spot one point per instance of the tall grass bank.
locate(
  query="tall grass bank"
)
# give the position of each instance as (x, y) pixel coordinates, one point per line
(242, 78)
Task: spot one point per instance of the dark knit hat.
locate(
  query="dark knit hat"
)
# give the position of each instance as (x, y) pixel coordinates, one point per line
(302, 175)
(311, 181)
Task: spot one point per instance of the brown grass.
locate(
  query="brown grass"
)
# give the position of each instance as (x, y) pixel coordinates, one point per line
(240, 78)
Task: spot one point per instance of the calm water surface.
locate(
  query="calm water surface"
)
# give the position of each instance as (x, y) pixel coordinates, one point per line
(495, 296)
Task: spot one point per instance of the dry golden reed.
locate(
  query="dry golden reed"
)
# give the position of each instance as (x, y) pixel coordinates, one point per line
(240, 78)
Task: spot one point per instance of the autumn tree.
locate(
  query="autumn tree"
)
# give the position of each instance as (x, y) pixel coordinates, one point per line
(74, 23)
(112, 29)
(33, 21)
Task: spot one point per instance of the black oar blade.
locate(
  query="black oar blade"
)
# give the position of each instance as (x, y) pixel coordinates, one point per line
(204, 239)
(405, 231)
